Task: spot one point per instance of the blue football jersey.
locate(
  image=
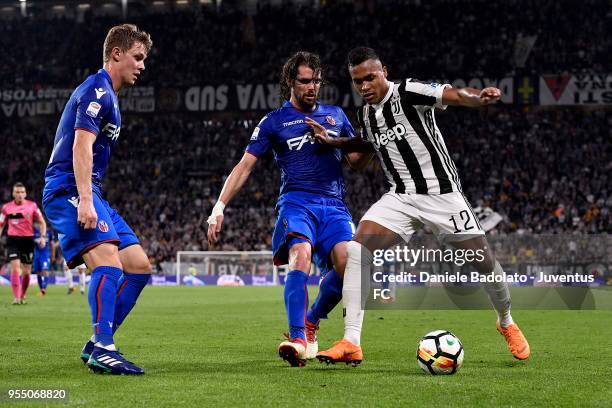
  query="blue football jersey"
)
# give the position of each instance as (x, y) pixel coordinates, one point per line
(304, 164)
(45, 251)
(94, 107)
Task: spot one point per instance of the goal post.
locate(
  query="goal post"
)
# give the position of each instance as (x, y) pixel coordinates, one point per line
(226, 268)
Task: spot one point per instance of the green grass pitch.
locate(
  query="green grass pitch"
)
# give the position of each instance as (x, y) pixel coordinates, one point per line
(216, 346)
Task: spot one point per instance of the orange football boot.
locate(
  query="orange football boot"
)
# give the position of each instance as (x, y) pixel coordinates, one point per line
(517, 343)
(342, 351)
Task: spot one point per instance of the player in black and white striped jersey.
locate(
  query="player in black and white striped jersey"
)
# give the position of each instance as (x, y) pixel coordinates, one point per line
(424, 188)
(408, 143)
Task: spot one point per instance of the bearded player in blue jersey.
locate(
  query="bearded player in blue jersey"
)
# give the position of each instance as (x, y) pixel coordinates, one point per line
(313, 222)
(89, 229)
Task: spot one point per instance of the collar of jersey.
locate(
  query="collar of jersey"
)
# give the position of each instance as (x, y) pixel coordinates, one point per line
(105, 74)
(288, 104)
(387, 96)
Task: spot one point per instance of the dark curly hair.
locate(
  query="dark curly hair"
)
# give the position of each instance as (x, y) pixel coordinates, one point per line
(360, 54)
(290, 70)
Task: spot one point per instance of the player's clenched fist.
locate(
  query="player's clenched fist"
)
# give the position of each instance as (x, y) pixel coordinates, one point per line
(214, 223)
(489, 95)
(86, 214)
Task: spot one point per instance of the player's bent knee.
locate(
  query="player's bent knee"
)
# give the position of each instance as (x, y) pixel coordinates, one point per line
(490, 267)
(357, 252)
(138, 267)
(487, 265)
(374, 236)
(340, 264)
(339, 256)
(103, 255)
(300, 256)
(134, 260)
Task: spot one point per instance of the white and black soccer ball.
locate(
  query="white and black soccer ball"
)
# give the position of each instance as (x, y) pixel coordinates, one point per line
(440, 352)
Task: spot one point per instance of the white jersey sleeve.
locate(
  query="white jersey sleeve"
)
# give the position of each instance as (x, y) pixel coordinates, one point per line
(424, 93)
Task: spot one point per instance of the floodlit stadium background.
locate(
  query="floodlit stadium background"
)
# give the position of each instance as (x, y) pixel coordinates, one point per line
(540, 159)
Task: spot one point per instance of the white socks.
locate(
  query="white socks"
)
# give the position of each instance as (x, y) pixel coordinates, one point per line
(355, 289)
(499, 294)
(110, 347)
(68, 275)
(82, 281)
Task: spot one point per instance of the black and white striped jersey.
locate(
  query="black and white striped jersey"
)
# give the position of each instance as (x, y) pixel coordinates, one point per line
(407, 140)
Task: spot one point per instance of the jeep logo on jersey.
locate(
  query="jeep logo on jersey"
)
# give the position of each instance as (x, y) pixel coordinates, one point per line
(390, 135)
(296, 143)
(112, 131)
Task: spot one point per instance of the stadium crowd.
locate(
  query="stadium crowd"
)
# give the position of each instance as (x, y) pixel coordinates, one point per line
(426, 39)
(543, 171)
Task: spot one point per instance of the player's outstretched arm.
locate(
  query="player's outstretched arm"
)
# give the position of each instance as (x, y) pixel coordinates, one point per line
(82, 162)
(233, 184)
(470, 97)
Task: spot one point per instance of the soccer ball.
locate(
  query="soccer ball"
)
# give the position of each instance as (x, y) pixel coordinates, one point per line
(440, 352)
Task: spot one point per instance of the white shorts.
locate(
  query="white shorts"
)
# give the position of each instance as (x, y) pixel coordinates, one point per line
(449, 216)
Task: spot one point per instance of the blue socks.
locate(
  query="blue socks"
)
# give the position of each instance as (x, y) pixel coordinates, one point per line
(296, 302)
(330, 294)
(129, 287)
(385, 284)
(101, 296)
(42, 281)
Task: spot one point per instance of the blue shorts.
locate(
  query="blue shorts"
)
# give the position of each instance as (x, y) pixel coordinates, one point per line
(61, 210)
(42, 262)
(323, 221)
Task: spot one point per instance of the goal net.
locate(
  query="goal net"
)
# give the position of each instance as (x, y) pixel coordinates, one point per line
(226, 268)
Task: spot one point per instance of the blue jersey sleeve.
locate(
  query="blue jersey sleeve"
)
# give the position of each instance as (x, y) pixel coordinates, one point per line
(92, 106)
(261, 139)
(347, 128)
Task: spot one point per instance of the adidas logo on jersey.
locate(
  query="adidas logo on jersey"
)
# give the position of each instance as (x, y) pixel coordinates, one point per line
(296, 143)
(390, 135)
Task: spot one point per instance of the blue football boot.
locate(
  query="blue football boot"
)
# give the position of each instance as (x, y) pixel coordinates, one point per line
(87, 350)
(111, 362)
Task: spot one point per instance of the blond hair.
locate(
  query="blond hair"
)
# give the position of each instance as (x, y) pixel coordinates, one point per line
(124, 37)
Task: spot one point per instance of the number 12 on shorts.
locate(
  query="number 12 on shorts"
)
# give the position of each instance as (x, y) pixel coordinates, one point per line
(464, 219)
